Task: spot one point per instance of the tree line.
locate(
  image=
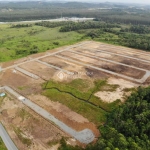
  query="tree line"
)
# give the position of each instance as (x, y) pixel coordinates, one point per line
(49, 24)
(21, 25)
(73, 26)
(140, 29)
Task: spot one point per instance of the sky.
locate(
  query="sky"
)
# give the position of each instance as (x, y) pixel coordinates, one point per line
(120, 1)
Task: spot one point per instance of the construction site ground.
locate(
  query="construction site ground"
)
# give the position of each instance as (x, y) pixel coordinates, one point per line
(128, 68)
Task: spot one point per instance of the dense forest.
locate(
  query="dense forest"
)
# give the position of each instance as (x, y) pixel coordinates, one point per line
(21, 25)
(129, 124)
(52, 24)
(87, 25)
(127, 127)
(108, 12)
(134, 36)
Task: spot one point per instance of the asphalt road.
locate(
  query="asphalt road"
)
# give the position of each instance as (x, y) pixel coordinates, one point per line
(6, 139)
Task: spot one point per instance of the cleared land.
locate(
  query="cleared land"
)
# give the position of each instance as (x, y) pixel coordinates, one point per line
(78, 84)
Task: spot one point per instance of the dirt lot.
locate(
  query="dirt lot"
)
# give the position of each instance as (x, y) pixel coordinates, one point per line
(16, 79)
(120, 92)
(28, 130)
(64, 114)
(119, 59)
(39, 69)
(63, 64)
(131, 72)
(125, 51)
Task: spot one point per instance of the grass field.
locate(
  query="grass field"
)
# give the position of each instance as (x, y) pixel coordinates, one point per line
(19, 42)
(2, 145)
(80, 97)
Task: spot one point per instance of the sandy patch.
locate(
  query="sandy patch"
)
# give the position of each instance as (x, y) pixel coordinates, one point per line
(122, 83)
(55, 147)
(110, 97)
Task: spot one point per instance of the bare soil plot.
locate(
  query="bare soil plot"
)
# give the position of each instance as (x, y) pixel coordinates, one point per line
(63, 113)
(96, 74)
(39, 69)
(27, 129)
(131, 53)
(118, 49)
(16, 79)
(147, 81)
(92, 45)
(127, 61)
(120, 93)
(127, 49)
(78, 70)
(63, 64)
(138, 74)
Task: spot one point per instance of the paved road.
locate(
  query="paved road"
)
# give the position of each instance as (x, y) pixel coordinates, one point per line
(107, 71)
(6, 139)
(85, 136)
(27, 73)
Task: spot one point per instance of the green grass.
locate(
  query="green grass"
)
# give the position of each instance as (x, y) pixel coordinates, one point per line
(22, 87)
(78, 93)
(94, 114)
(81, 85)
(2, 145)
(53, 142)
(19, 42)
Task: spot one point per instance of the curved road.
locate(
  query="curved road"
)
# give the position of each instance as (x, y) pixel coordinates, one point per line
(85, 136)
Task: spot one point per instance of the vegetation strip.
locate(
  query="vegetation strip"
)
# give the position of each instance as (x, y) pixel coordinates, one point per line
(87, 101)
